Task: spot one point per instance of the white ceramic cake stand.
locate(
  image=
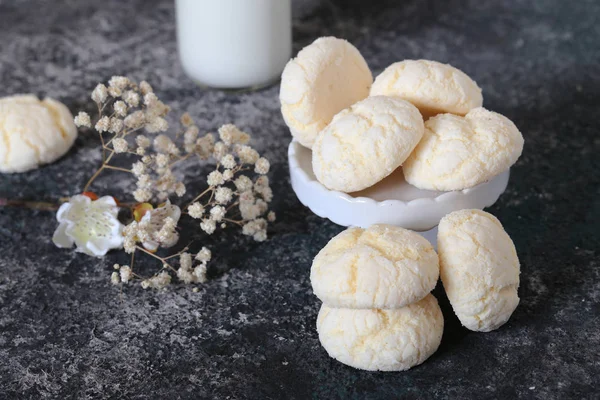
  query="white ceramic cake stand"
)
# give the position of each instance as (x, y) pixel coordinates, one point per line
(392, 201)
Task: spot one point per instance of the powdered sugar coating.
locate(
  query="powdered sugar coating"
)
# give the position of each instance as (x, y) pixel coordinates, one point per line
(366, 142)
(326, 77)
(382, 340)
(383, 266)
(431, 86)
(460, 152)
(479, 269)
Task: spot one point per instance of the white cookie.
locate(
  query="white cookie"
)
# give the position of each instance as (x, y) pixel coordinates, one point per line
(326, 77)
(383, 266)
(33, 132)
(382, 340)
(366, 142)
(431, 86)
(479, 269)
(460, 152)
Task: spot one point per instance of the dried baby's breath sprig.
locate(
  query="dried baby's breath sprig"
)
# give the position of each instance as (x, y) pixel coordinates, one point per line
(132, 121)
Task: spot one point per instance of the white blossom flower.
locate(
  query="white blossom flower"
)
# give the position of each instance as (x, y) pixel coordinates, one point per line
(92, 226)
(158, 281)
(208, 226)
(103, 124)
(223, 195)
(100, 93)
(131, 98)
(215, 178)
(162, 144)
(120, 108)
(227, 175)
(230, 134)
(271, 216)
(204, 255)
(120, 145)
(186, 119)
(142, 195)
(228, 161)
(116, 125)
(243, 184)
(115, 279)
(262, 166)
(126, 273)
(135, 120)
(138, 168)
(83, 120)
(220, 149)
(200, 273)
(119, 82)
(196, 210)
(185, 260)
(217, 213)
(179, 189)
(160, 224)
(247, 154)
(145, 88)
(157, 124)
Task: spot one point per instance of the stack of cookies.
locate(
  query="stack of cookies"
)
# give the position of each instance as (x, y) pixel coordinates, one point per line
(424, 116)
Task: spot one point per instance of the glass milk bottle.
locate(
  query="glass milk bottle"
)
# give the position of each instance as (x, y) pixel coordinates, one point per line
(234, 44)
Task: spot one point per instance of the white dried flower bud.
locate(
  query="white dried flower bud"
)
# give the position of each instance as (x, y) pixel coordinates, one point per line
(100, 94)
(217, 213)
(220, 149)
(131, 98)
(120, 108)
(271, 216)
(200, 273)
(83, 120)
(157, 124)
(260, 236)
(247, 154)
(116, 266)
(243, 183)
(114, 278)
(129, 245)
(145, 284)
(138, 168)
(228, 161)
(145, 88)
(247, 198)
(185, 275)
(227, 175)
(262, 206)
(119, 82)
(223, 195)
(162, 160)
(186, 119)
(230, 134)
(144, 181)
(115, 92)
(205, 146)
(135, 120)
(208, 226)
(262, 166)
(103, 124)
(147, 159)
(185, 260)
(120, 145)
(162, 144)
(125, 273)
(191, 135)
(249, 211)
(142, 141)
(204, 255)
(116, 125)
(179, 189)
(215, 178)
(150, 99)
(196, 210)
(142, 195)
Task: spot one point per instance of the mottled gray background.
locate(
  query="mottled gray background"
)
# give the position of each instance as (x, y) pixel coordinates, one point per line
(65, 332)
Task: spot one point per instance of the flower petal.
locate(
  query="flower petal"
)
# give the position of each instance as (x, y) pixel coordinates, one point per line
(60, 237)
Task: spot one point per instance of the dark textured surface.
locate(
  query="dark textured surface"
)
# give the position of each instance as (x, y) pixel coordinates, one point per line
(65, 332)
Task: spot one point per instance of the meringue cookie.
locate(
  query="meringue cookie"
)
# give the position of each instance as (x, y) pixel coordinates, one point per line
(479, 269)
(366, 142)
(431, 86)
(382, 340)
(33, 132)
(326, 77)
(383, 266)
(460, 152)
